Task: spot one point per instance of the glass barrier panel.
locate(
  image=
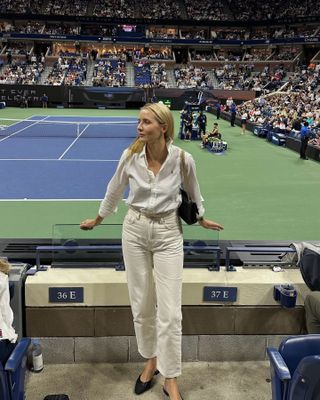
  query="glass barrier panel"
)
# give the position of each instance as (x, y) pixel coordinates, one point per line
(101, 247)
(198, 245)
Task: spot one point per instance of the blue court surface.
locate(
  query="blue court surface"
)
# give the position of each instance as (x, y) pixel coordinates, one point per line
(62, 157)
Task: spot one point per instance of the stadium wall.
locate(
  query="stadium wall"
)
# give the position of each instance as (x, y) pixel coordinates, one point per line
(111, 97)
(106, 334)
(99, 328)
(312, 152)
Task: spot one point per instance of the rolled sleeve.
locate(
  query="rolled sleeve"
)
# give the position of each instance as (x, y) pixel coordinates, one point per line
(191, 184)
(115, 188)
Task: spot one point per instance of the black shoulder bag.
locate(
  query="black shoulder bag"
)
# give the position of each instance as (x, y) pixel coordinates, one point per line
(188, 210)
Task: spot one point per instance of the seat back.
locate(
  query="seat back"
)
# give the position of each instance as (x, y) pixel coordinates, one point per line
(4, 393)
(295, 348)
(305, 383)
(277, 386)
(15, 370)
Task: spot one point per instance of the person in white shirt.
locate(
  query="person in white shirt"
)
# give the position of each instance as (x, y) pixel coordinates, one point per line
(229, 103)
(244, 117)
(8, 336)
(152, 241)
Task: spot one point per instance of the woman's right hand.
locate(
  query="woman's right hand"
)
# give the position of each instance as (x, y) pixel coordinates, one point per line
(88, 224)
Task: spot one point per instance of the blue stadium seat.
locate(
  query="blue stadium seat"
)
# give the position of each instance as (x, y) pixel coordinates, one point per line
(12, 374)
(295, 368)
(260, 131)
(142, 75)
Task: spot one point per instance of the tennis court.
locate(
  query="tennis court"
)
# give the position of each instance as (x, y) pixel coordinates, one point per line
(257, 190)
(61, 157)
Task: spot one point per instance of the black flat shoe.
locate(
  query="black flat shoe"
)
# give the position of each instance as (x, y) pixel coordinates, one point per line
(141, 387)
(167, 394)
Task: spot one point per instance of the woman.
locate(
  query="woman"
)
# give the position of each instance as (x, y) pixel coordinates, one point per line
(244, 118)
(152, 241)
(215, 133)
(8, 337)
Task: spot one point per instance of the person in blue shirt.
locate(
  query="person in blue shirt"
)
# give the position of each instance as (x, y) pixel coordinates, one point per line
(304, 137)
(44, 100)
(218, 109)
(233, 112)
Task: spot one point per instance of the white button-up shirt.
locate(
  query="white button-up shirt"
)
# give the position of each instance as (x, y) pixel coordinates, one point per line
(6, 314)
(149, 193)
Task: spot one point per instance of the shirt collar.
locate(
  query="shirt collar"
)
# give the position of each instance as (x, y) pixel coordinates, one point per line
(168, 144)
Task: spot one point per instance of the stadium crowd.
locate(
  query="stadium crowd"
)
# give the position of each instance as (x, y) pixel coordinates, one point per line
(192, 77)
(68, 71)
(239, 68)
(22, 73)
(205, 33)
(288, 109)
(242, 10)
(241, 77)
(159, 9)
(207, 11)
(109, 72)
(114, 8)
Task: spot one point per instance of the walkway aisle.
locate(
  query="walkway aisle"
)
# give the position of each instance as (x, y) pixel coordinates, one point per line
(200, 381)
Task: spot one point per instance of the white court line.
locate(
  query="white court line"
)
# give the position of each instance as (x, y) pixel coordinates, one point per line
(24, 200)
(78, 137)
(85, 160)
(14, 133)
(79, 116)
(55, 159)
(19, 122)
(106, 120)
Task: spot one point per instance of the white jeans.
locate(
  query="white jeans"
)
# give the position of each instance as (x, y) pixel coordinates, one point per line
(153, 256)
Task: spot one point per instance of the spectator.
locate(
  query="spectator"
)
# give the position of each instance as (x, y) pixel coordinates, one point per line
(312, 308)
(233, 112)
(218, 109)
(315, 141)
(44, 100)
(8, 337)
(9, 57)
(304, 134)
(229, 103)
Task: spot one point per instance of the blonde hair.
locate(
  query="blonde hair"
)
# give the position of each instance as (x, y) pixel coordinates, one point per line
(163, 116)
(4, 266)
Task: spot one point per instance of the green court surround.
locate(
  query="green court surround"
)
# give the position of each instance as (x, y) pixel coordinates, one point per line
(257, 190)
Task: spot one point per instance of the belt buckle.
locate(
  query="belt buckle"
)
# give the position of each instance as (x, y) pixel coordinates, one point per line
(153, 217)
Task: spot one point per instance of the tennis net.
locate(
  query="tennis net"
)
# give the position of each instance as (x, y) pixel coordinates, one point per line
(119, 128)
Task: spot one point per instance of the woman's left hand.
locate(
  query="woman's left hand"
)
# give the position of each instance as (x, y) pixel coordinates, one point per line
(207, 224)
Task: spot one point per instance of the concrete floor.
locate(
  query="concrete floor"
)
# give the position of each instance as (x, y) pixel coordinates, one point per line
(200, 381)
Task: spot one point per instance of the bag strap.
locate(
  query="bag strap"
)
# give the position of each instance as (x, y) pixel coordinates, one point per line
(182, 165)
